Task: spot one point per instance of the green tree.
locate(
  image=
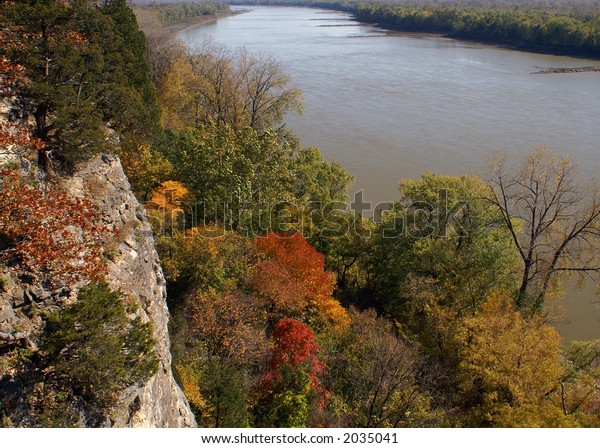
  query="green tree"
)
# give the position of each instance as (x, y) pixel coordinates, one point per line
(317, 179)
(238, 177)
(459, 240)
(320, 191)
(95, 348)
(56, 57)
(226, 392)
(135, 106)
(88, 74)
(443, 229)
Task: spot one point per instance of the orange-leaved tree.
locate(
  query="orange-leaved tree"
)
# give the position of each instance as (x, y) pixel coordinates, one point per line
(291, 277)
(166, 206)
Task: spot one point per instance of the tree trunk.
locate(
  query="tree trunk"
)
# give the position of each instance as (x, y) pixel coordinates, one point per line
(522, 295)
(41, 132)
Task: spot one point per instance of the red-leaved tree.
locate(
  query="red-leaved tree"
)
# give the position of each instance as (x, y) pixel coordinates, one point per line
(291, 276)
(295, 347)
(292, 385)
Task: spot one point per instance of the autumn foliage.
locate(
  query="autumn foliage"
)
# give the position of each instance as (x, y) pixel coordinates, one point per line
(292, 277)
(12, 76)
(228, 324)
(292, 385)
(295, 347)
(509, 363)
(48, 234)
(15, 137)
(165, 205)
(44, 233)
(168, 194)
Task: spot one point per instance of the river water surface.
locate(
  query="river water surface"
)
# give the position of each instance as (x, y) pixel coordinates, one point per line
(388, 105)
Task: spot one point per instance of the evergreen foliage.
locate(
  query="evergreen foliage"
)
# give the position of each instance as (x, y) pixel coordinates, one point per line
(95, 348)
(89, 77)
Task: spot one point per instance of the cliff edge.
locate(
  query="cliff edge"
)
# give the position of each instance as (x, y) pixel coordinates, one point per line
(133, 268)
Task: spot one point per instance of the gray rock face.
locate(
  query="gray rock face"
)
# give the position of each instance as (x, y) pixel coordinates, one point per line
(135, 270)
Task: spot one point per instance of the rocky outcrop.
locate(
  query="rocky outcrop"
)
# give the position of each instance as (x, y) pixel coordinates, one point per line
(135, 270)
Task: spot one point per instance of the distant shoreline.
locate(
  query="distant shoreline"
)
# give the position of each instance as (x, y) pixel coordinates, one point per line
(178, 27)
(202, 20)
(383, 20)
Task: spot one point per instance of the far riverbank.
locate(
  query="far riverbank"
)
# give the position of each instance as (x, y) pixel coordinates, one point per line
(554, 33)
(178, 27)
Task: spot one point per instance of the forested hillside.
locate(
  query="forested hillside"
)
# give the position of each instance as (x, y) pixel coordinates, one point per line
(288, 309)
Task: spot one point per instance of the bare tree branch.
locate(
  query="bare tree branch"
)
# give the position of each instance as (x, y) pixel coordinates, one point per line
(554, 220)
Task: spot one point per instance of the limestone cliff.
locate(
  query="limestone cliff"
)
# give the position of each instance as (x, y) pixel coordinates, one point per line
(134, 269)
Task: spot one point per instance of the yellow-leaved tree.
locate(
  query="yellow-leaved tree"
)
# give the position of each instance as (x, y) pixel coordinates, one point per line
(509, 367)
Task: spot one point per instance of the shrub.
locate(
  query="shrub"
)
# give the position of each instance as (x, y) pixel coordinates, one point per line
(47, 234)
(96, 348)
